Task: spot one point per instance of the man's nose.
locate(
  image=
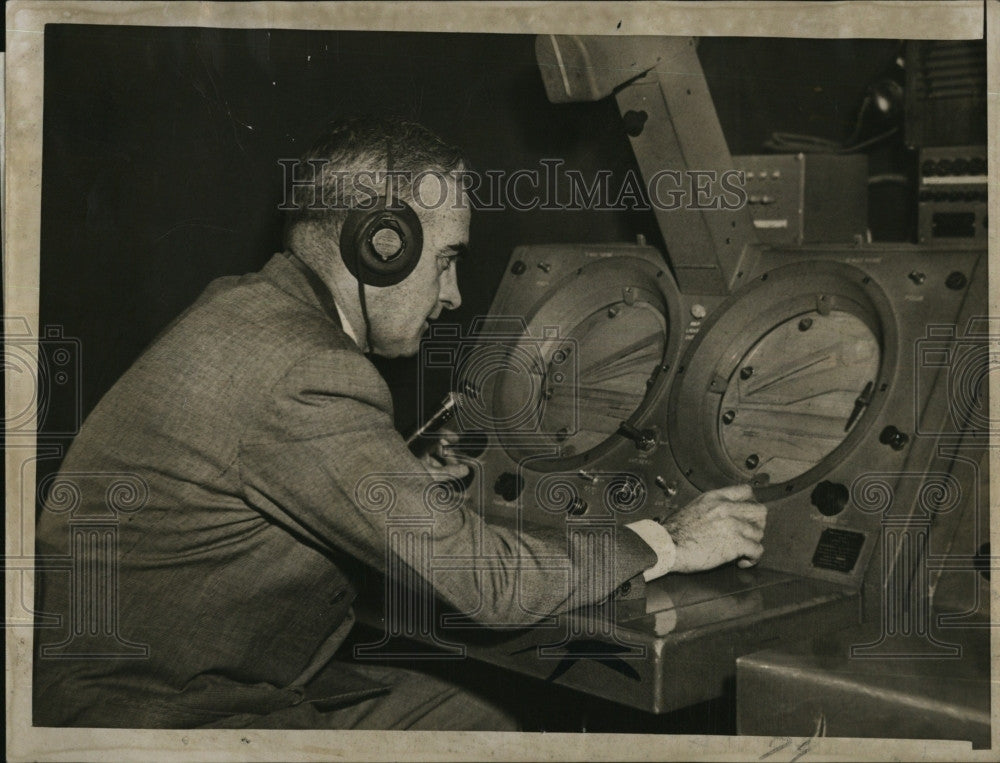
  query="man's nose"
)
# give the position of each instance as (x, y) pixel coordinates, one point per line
(449, 295)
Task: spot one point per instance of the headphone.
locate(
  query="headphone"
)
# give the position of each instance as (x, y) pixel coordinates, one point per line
(381, 246)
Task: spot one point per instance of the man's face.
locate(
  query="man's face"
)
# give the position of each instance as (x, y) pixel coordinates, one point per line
(399, 315)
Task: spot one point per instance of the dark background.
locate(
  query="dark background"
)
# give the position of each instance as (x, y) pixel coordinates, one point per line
(161, 146)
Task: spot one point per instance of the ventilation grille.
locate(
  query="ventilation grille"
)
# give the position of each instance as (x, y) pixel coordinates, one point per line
(952, 69)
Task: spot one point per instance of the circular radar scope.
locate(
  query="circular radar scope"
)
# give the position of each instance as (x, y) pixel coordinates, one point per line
(618, 347)
(794, 396)
(784, 379)
(599, 339)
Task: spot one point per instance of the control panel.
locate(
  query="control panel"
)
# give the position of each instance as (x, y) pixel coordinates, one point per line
(806, 198)
(952, 196)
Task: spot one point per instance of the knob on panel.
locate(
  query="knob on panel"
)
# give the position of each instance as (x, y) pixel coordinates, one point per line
(509, 486)
(830, 497)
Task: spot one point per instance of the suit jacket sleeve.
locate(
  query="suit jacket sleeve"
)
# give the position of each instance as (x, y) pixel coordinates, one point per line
(321, 457)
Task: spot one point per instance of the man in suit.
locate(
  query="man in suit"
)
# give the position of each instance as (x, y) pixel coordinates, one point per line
(248, 427)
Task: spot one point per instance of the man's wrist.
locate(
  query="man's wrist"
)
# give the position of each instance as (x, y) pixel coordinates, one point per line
(657, 538)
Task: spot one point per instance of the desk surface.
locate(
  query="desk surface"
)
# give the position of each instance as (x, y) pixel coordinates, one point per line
(799, 687)
(676, 646)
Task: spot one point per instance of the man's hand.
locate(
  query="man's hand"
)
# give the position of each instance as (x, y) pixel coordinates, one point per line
(443, 466)
(717, 527)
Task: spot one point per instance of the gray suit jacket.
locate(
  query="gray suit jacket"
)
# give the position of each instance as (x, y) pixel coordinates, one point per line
(252, 421)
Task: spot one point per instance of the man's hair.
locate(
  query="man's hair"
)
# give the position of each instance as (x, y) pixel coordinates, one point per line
(353, 150)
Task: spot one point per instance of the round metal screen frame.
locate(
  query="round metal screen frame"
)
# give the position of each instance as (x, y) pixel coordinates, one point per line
(597, 286)
(709, 364)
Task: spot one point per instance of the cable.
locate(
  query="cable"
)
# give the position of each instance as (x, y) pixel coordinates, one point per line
(364, 307)
(870, 142)
(859, 122)
(794, 142)
(787, 142)
(888, 178)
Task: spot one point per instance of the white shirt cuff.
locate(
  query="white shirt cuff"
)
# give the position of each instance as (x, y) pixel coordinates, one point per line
(657, 538)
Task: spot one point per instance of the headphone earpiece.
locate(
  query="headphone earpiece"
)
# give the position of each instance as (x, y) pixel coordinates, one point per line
(381, 246)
